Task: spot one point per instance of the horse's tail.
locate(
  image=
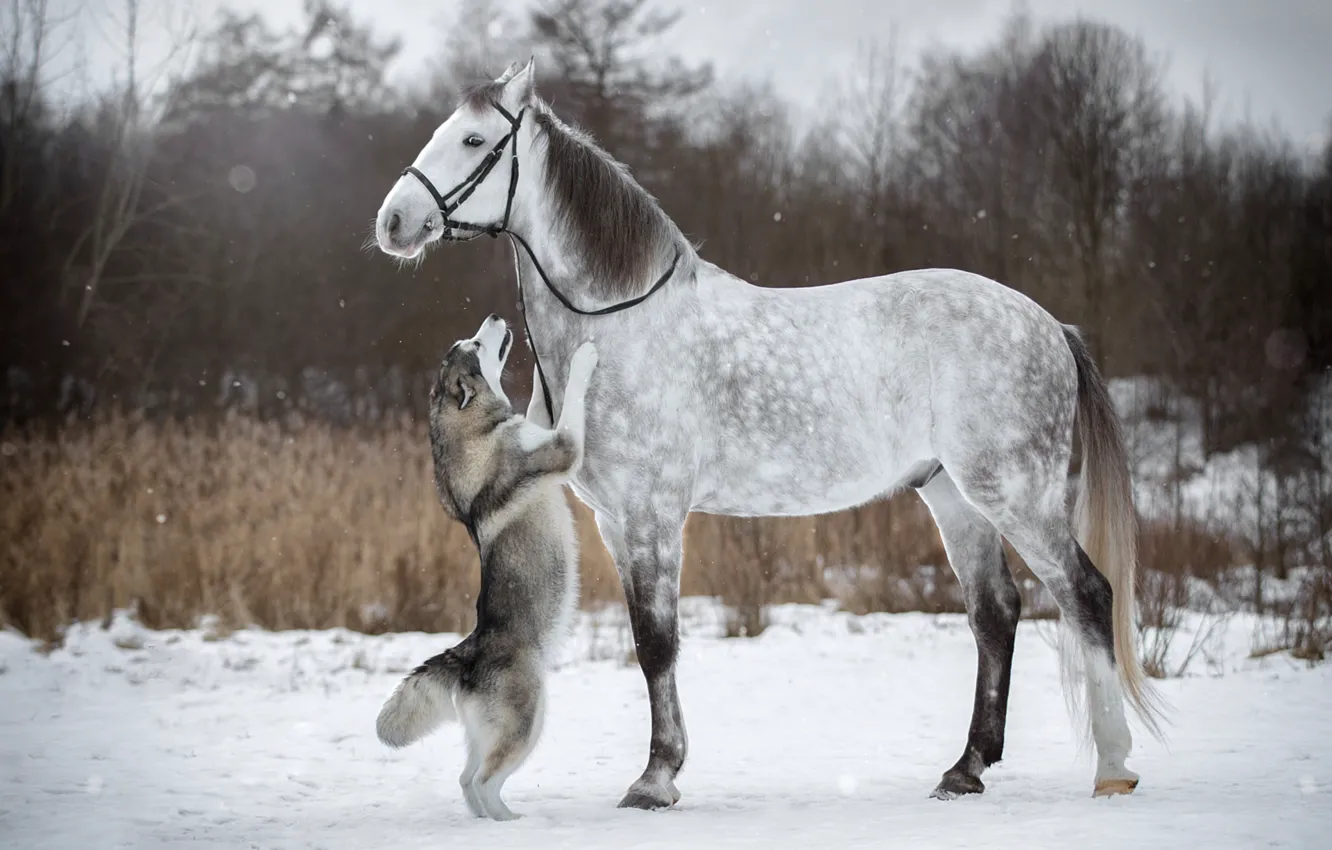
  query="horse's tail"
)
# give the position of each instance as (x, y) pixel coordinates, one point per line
(1107, 523)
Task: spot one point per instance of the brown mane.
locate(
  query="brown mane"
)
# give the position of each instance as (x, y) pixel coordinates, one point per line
(622, 236)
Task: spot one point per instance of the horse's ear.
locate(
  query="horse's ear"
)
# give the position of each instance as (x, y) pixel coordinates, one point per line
(520, 84)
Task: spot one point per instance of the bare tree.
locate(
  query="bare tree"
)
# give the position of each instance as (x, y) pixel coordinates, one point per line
(1097, 96)
(126, 120)
(601, 49)
(869, 109)
(330, 63)
(979, 170)
(480, 40)
(31, 35)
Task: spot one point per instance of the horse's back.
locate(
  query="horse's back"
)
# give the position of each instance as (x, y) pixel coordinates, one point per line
(825, 396)
(1002, 380)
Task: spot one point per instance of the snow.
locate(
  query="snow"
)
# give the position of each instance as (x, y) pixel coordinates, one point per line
(1231, 491)
(827, 728)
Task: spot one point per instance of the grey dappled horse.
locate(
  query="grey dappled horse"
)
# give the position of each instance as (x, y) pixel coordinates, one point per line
(715, 395)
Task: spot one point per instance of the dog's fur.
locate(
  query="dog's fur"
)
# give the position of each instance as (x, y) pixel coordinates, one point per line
(502, 477)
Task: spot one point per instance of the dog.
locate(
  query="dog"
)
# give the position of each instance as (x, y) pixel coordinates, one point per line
(502, 477)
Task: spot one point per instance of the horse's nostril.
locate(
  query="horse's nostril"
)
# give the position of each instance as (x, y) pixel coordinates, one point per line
(394, 222)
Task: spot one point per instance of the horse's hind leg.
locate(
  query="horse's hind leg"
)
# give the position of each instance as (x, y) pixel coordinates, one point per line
(976, 555)
(1039, 530)
(1085, 601)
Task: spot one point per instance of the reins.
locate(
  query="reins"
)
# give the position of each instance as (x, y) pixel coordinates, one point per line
(469, 185)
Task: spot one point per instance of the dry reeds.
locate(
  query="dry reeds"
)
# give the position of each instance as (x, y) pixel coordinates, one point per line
(305, 525)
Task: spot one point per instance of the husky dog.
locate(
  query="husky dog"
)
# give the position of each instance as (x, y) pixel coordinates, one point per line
(502, 477)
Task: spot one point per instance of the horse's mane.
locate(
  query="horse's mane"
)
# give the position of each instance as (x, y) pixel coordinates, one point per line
(621, 234)
(622, 239)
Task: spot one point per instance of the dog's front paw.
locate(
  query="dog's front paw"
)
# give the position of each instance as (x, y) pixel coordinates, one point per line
(583, 363)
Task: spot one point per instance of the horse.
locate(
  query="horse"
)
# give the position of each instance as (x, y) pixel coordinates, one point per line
(719, 396)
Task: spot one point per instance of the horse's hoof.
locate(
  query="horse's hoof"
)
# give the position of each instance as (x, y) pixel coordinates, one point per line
(649, 799)
(1113, 787)
(957, 784)
(675, 792)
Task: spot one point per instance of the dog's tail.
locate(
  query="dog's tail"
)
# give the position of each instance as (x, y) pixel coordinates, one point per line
(421, 701)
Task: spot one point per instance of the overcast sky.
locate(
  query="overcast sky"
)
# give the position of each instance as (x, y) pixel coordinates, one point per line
(1272, 59)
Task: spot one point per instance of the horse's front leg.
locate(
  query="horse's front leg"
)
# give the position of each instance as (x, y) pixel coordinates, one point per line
(648, 549)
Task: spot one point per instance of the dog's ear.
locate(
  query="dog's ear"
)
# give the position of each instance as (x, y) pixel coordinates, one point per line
(465, 390)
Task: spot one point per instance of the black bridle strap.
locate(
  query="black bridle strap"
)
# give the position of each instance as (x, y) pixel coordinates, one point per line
(569, 305)
(604, 311)
(531, 343)
(469, 185)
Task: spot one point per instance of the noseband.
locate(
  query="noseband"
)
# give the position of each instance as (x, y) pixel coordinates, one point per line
(464, 191)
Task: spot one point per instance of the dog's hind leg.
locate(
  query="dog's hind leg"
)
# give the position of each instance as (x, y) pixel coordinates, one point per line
(504, 735)
(501, 764)
(468, 777)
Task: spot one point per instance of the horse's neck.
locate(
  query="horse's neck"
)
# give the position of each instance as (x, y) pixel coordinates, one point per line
(553, 331)
(554, 263)
(546, 261)
(566, 265)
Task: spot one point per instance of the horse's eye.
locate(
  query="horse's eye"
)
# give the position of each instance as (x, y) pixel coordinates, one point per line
(474, 141)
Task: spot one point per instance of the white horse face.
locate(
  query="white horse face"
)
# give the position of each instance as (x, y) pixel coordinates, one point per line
(410, 218)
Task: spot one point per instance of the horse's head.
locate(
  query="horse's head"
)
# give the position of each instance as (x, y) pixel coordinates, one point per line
(462, 182)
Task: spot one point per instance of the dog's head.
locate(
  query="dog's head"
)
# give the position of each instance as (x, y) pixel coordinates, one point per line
(468, 381)
(466, 403)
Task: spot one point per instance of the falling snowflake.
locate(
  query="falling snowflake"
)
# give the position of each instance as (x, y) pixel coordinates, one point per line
(242, 178)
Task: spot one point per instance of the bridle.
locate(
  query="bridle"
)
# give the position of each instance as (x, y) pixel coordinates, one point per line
(470, 183)
(464, 191)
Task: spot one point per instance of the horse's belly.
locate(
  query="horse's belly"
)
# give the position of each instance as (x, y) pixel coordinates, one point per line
(779, 497)
(810, 477)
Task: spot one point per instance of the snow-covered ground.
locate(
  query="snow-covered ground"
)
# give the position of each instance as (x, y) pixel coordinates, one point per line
(828, 730)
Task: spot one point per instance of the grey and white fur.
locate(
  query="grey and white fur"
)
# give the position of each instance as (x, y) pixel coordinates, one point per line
(502, 477)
